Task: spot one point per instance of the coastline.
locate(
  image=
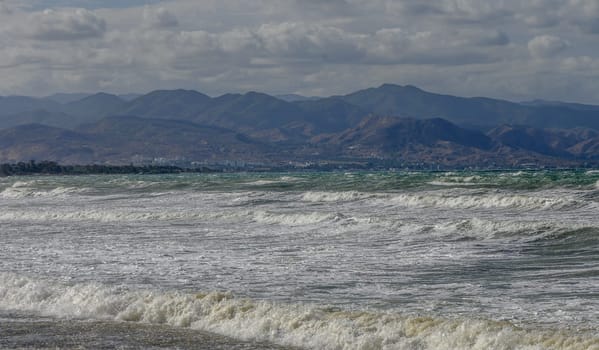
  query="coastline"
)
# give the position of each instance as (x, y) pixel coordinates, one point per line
(53, 168)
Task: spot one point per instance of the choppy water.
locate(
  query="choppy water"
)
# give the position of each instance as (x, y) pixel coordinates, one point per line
(465, 260)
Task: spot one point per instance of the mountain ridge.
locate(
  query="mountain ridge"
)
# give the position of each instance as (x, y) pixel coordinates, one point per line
(385, 123)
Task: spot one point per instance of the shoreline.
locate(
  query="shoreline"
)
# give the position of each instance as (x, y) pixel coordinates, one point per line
(50, 168)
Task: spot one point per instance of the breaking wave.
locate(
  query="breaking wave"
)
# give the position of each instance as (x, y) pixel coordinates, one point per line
(110, 215)
(300, 325)
(21, 189)
(344, 196)
(449, 199)
(294, 219)
(444, 200)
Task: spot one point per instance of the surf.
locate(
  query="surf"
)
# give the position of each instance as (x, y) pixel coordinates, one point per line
(300, 325)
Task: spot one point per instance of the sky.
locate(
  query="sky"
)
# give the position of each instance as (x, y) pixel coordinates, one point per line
(515, 50)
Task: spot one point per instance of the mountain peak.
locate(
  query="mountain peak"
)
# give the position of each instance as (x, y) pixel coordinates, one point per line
(176, 92)
(100, 97)
(395, 87)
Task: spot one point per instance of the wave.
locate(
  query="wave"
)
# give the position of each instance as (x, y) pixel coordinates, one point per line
(280, 180)
(457, 180)
(458, 201)
(261, 182)
(454, 183)
(22, 189)
(449, 199)
(343, 196)
(110, 215)
(306, 326)
(471, 228)
(476, 228)
(293, 219)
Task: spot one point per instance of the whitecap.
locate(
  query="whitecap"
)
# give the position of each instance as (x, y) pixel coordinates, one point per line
(300, 325)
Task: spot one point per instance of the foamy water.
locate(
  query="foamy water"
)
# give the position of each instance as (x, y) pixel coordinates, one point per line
(316, 261)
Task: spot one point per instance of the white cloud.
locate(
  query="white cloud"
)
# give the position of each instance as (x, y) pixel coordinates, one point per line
(315, 42)
(546, 45)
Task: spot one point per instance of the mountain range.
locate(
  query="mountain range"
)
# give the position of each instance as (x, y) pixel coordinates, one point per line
(389, 124)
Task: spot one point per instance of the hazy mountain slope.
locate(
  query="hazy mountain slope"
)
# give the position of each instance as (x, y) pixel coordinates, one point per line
(410, 101)
(64, 98)
(295, 98)
(171, 139)
(120, 139)
(56, 119)
(41, 142)
(554, 142)
(390, 134)
(253, 109)
(331, 114)
(389, 122)
(17, 104)
(167, 104)
(570, 105)
(95, 107)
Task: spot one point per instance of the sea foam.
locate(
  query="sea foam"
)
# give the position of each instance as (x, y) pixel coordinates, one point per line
(447, 200)
(21, 189)
(343, 196)
(301, 325)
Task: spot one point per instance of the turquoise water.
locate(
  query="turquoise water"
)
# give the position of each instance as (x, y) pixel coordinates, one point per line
(384, 260)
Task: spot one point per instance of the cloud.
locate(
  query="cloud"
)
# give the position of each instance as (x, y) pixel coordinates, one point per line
(582, 64)
(488, 38)
(318, 42)
(539, 21)
(68, 24)
(502, 48)
(583, 14)
(159, 18)
(458, 11)
(546, 46)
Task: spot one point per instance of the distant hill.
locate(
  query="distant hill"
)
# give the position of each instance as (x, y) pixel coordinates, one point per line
(64, 98)
(94, 107)
(167, 104)
(296, 98)
(40, 116)
(17, 104)
(36, 141)
(254, 112)
(330, 114)
(171, 139)
(253, 109)
(119, 139)
(389, 122)
(122, 139)
(479, 112)
(576, 106)
(129, 97)
(571, 143)
(389, 136)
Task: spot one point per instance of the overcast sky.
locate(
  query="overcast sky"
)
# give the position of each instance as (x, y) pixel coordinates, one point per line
(518, 50)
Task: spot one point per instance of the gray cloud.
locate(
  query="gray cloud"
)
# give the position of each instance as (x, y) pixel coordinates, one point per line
(460, 11)
(159, 18)
(65, 25)
(539, 21)
(504, 48)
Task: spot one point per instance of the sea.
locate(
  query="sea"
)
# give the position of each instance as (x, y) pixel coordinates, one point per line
(301, 260)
